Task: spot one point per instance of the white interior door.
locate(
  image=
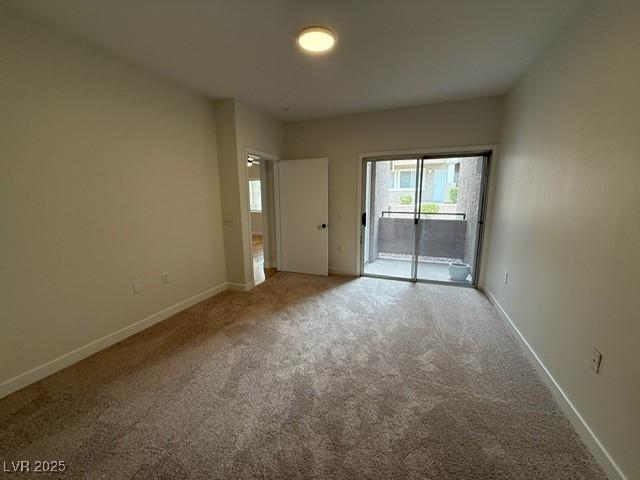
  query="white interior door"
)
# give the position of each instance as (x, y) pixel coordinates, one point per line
(304, 215)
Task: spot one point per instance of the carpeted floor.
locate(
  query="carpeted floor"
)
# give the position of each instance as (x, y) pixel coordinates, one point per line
(305, 377)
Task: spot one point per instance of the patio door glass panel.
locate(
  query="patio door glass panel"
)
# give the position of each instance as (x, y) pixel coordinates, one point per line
(390, 208)
(450, 197)
(423, 218)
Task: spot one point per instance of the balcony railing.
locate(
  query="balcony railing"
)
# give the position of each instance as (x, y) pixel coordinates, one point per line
(391, 212)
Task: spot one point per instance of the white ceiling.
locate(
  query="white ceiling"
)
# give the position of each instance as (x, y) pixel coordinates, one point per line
(390, 53)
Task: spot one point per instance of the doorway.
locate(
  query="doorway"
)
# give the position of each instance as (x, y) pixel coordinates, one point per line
(423, 217)
(260, 217)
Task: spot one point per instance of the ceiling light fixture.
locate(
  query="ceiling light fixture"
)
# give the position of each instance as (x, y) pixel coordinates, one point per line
(316, 40)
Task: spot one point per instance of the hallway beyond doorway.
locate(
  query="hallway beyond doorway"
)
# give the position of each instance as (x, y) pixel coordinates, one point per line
(260, 274)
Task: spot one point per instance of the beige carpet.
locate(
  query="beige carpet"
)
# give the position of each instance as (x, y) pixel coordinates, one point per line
(305, 377)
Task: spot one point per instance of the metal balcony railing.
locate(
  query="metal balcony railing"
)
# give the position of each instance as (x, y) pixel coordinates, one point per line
(389, 212)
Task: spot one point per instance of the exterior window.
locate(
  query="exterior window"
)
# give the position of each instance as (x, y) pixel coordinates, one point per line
(407, 179)
(255, 196)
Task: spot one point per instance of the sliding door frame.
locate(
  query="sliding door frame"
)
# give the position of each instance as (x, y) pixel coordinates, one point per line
(487, 152)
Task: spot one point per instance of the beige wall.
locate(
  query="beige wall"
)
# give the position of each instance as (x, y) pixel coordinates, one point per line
(260, 133)
(342, 139)
(241, 128)
(225, 112)
(567, 218)
(108, 174)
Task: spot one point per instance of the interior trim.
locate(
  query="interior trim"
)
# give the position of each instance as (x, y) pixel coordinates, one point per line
(428, 151)
(241, 287)
(342, 271)
(486, 152)
(595, 446)
(38, 373)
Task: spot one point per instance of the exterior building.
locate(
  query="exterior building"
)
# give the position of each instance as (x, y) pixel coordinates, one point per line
(449, 203)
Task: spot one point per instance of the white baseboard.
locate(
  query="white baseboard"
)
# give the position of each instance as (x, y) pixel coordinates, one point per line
(597, 449)
(341, 271)
(63, 361)
(241, 287)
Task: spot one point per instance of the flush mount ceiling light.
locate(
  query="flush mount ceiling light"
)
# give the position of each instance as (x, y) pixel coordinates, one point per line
(316, 40)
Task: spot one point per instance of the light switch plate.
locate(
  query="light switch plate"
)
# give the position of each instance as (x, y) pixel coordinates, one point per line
(229, 221)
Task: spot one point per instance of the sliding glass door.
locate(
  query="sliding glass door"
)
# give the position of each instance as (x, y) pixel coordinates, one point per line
(389, 241)
(422, 217)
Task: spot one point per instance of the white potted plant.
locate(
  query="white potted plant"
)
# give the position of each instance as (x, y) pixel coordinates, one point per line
(458, 271)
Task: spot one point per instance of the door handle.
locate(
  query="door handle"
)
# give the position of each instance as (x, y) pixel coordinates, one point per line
(322, 227)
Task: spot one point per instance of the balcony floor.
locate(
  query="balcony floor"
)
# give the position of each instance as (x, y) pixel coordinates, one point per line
(402, 269)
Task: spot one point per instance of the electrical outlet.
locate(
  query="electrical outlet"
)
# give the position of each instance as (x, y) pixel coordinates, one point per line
(137, 286)
(596, 359)
(164, 278)
(506, 277)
